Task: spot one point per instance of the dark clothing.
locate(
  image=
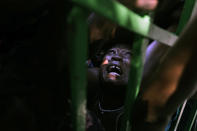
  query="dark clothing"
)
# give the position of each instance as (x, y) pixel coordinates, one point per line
(110, 119)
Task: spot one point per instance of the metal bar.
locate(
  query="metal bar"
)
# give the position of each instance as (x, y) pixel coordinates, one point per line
(194, 11)
(114, 11)
(78, 55)
(134, 80)
(180, 115)
(161, 35)
(128, 19)
(192, 117)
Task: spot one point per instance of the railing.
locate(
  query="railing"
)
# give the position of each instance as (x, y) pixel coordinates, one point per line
(140, 25)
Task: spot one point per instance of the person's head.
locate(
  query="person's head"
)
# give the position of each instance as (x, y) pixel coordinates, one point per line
(113, 57)
(115, 65)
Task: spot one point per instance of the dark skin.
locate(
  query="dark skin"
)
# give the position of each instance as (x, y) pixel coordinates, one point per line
(111, 78)
(114, 72)
(172, 84)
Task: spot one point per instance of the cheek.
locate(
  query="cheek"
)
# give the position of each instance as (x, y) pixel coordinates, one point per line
(127, 62)
(105, 60)
(127, 66)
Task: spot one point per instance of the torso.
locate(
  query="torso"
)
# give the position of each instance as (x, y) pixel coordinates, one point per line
(110, 119)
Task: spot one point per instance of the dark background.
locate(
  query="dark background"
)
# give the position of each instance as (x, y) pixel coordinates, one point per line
(34, 93)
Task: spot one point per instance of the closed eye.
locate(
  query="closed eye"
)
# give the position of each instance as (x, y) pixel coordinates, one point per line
(111, 52)
(129, 53)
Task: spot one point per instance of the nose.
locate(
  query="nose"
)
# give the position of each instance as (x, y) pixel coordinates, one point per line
(116, 58)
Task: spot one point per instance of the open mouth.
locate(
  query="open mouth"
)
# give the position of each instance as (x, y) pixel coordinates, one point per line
(114, 70)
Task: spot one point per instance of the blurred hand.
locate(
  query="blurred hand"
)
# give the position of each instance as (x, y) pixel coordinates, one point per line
(147, 5)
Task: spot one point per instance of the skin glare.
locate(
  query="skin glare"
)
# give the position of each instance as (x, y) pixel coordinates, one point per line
(105, 62)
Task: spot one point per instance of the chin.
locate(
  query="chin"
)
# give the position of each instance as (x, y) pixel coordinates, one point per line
(113, 80)
(114, 75)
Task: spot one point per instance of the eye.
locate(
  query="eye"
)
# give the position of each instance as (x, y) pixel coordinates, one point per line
(111, 52)
(128, 54)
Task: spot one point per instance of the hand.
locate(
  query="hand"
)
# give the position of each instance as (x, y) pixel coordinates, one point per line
(146, 5)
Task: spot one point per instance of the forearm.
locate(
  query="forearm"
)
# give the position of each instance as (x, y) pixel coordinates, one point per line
(166, 81)
(154, 56)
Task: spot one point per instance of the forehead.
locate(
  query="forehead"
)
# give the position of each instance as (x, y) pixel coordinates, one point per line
(121, 47)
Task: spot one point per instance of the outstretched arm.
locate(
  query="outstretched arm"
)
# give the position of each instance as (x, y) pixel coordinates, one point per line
(173, 82)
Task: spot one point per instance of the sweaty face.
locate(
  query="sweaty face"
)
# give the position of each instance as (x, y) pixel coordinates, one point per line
(116, 65)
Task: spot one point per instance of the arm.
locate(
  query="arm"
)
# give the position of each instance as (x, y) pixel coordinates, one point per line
(154, 55)
(174, 81)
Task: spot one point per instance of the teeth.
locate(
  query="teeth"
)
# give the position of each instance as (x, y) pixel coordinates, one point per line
(117, 68)
(114, 69)
(114, 74)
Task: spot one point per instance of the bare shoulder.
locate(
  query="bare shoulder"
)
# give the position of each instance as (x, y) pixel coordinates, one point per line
(93, 86)
(93, 75)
